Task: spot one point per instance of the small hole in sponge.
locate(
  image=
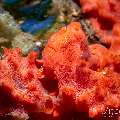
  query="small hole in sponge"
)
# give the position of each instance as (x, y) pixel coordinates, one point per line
(49, 104)
(50, 85)
(106, 45)
(105, 23)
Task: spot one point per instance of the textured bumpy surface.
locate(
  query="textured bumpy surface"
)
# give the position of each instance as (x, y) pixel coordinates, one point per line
(104, 15)
(88, 75)
(20, 85)
(72, 79)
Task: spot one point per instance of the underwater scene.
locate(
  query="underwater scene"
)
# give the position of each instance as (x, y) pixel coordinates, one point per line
(59, 59)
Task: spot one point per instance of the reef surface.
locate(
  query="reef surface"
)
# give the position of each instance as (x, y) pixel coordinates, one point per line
(74, 75)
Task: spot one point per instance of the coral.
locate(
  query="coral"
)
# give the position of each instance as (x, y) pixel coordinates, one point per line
(73, 80)
(11, 35)
(77, 78)
(87, 75)
(104, 17)
(8, 28)
(41, 18)
(68, 10)
(31, 16)
(20, 84)
(24, 41)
